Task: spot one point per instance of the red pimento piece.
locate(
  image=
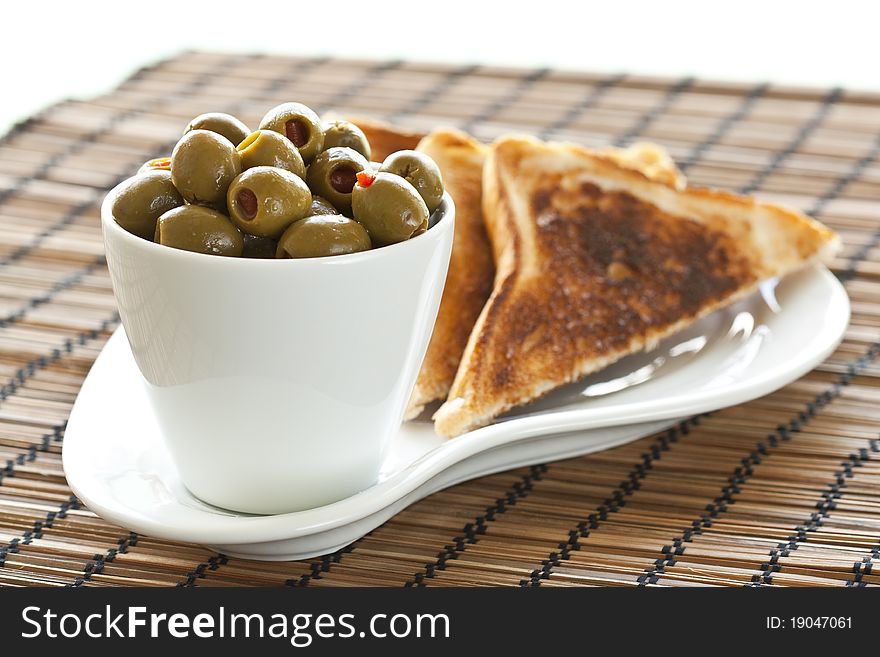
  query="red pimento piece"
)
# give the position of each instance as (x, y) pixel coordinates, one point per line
(158, 163)
(365, 178)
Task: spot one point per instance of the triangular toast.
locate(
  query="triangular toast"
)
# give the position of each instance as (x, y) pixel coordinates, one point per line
(595, 261)
(471, 268)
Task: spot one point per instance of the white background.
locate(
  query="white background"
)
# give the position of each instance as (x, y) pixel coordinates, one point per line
(51, 50)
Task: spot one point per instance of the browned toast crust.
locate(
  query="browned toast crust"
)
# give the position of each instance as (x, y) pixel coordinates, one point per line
(595, 261)
(471, 270)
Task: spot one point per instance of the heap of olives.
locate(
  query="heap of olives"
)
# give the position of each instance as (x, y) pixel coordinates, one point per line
(295, 188)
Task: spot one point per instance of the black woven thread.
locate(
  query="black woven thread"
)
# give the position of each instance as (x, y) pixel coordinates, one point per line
(21, 377)
(64, 284)
(321, 566)
(470, 535)
(796, 142)
(471, 532)
(95, 565)
(851, 176)
(862, 568)
(52, 437)
(826, 504)
(519, 90)
(852, 265)
(278, 83)
(74, 148)
(742, 110)
(364, 82)
(593, 96)
(36, 530)
(29, 369)
(866, 565)
(613, 503)
(835, 191)
(66, 219)
(443, 85)
(647, 119)
(25, 124)
(763, 450)
(837, 188)
(202, 569)
(56, 436)
(302, 68)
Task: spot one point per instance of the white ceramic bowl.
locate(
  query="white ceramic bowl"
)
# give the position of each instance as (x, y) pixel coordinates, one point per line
(278, 384)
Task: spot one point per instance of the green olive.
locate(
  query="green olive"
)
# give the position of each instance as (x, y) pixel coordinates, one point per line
(203, 230)
(141, 201)
(388, 207)
(259, 247)
(271, 149)
(420, 171)
(347, 135)
(323, 235)
(264, 201)
(156, 164)
(333, 174)
(299, 124)
(223, 124)
(202, 165)
(321, 206)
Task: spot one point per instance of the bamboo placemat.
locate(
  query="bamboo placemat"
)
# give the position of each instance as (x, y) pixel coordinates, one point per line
(784, 491)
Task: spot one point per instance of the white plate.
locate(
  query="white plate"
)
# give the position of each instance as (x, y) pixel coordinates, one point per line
(117, 464)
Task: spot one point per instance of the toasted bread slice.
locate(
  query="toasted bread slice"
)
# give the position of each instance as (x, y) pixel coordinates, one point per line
(471, 268)
(596, 261)
(384, 138)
